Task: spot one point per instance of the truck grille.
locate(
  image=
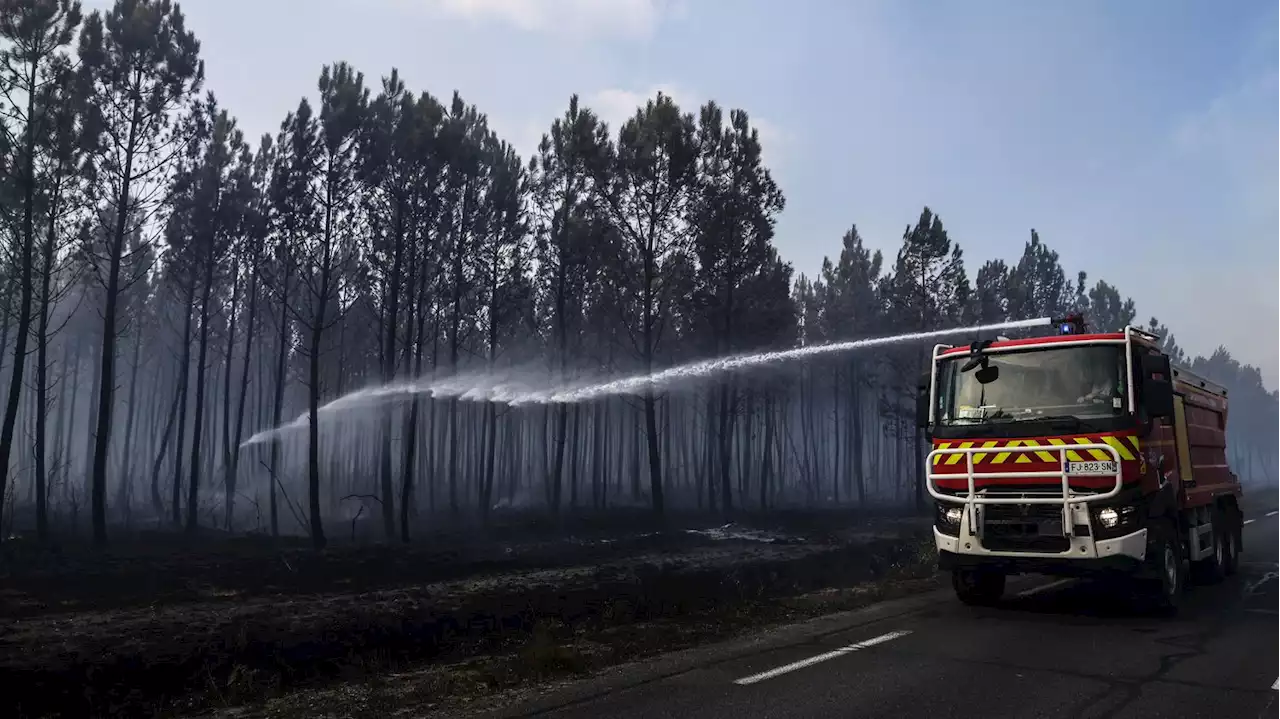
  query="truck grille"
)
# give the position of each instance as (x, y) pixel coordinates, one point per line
(1024, 527)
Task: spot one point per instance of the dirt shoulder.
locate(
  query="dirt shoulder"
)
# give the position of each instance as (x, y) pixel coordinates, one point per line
(481, 677)
(171, 632)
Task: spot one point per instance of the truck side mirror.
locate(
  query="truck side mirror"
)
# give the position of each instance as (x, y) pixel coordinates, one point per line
(922, 400)
(1157, 397)
(1157, 385)
(1156, 366)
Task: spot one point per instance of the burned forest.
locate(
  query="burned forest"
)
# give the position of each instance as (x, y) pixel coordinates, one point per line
(173, 287)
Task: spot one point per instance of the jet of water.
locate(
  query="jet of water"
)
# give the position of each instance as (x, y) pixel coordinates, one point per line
(637, 383)
(511, 390)
(467, 387)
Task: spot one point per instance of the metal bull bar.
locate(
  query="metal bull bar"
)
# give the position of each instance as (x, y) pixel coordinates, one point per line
(973, 499)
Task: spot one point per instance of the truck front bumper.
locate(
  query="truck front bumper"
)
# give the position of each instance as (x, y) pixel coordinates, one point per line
(1121, 555)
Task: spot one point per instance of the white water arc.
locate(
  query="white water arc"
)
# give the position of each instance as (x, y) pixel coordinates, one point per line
(637, 383)
(512, 391)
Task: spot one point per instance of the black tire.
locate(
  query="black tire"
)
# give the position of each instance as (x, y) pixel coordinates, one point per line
(1234, 529)
(977, 587)
(1213, 569)
(1164, 592)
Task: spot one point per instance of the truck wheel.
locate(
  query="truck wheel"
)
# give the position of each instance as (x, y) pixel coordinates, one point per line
(1233, 529)
(1165, 552)
(1213, 568)
(977, 587)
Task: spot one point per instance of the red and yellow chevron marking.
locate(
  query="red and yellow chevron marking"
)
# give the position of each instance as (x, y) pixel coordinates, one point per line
(1126, 446)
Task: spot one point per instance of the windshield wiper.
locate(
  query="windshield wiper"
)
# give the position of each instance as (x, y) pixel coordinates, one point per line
(1056, 420)
(1060, 419)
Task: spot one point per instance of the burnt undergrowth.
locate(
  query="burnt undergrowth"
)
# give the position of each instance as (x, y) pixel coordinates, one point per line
(176, 644)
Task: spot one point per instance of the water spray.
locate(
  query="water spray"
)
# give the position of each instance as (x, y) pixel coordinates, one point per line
(514, 392)
(636, 384)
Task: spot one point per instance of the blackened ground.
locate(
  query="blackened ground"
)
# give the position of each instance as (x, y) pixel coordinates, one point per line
(160, 623)
(164, 568)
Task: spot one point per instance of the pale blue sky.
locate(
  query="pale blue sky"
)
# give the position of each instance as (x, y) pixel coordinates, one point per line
(1139, 137)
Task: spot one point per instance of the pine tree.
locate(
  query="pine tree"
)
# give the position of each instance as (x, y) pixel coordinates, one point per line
(566, 200)
(650, 184)
(143, 71)
(733, 214)
(34, 35)
(213, 187)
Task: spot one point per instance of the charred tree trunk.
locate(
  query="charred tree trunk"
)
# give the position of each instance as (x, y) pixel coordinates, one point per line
(193, 479)
(233, 471)
(157, 502)
(126, 468)
(26, 291)
(184, 375)
(277, 405)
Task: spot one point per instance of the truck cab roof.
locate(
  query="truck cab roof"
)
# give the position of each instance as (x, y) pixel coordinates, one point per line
(1182, 376)
(1035, 341)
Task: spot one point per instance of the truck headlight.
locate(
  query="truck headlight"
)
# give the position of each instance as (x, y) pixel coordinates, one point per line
(1113, 520)
(1109, 517)
(947, 518)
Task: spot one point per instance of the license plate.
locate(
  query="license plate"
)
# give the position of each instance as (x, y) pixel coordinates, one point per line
(1093, 468)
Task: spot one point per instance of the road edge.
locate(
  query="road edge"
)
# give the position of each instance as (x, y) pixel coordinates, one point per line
(620, 677)
(566, 693)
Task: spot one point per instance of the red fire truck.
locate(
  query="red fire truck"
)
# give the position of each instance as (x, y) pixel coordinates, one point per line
(1077, 454)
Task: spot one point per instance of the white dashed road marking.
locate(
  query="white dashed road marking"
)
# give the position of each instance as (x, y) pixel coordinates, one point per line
(1272, 700)
(1272, 513)
(819, 658)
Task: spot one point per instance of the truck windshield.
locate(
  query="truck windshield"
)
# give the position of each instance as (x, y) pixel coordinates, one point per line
(1082, 382)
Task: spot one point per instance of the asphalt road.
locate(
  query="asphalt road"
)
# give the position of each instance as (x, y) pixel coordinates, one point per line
(1067, 649)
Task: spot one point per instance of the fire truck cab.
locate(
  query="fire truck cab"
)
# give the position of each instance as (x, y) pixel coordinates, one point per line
(1077, 454)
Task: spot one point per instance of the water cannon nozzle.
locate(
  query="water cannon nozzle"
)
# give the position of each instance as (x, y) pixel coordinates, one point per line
(1072, 324)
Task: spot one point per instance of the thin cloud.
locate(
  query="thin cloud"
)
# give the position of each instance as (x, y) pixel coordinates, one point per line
(1232, 143)
(632, 19)
(615, 106)
(1236, 132)
(1239, 129)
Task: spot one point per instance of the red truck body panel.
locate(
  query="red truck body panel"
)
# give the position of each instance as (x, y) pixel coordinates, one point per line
(1204, 472)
